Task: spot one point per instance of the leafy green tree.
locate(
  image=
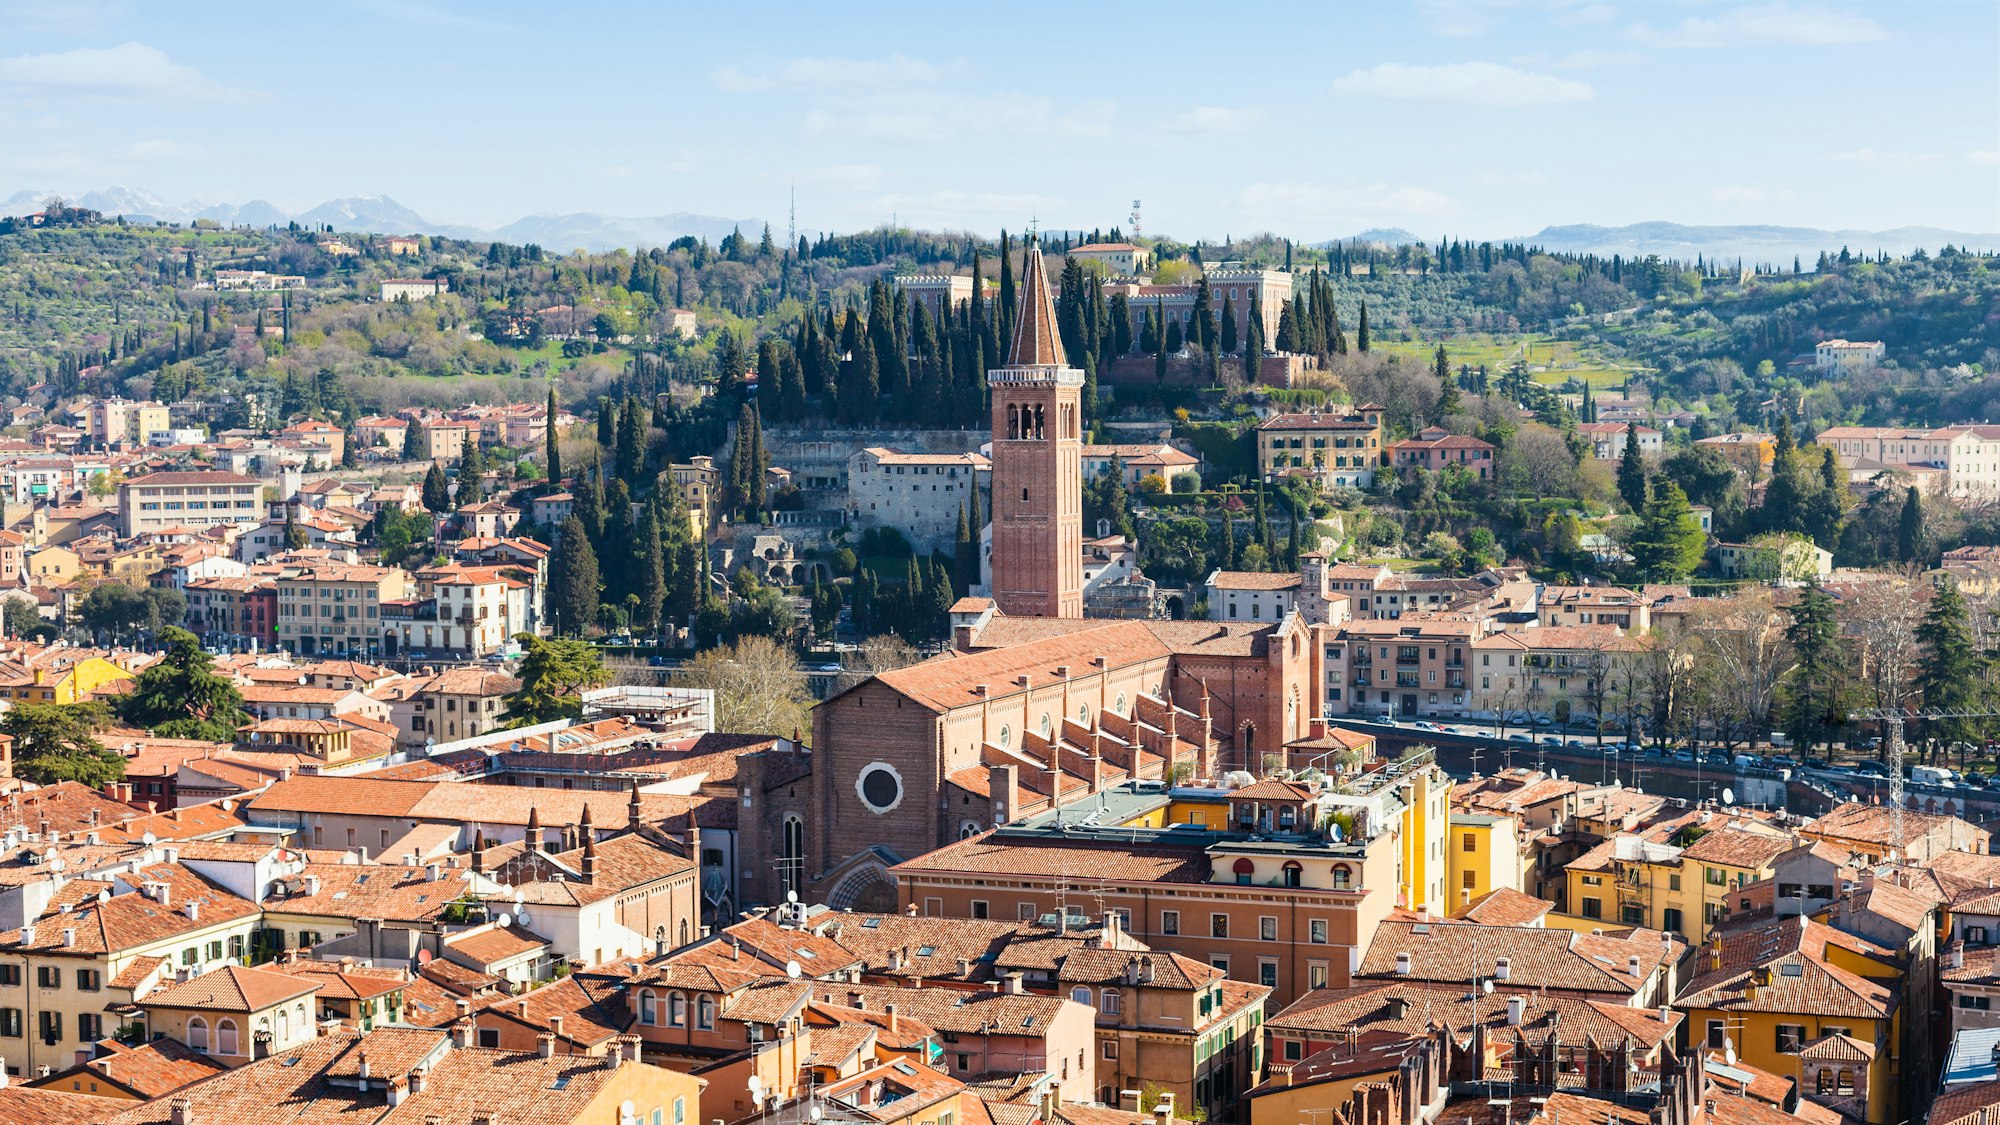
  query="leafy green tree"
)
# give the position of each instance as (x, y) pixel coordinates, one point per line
(182, 696)
(437, 492)
(55, 742)
(115, 609)
(21, 617)
(554, 676)
(1632, 470)
(1814, 684)
(1952, 672)
(1669, 543)
(573, 581)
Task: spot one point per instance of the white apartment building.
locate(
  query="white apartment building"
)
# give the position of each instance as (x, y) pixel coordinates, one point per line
(918, 494)
(467, 611)
(1967, 455)
(1249, 595)
(1845, 356)
(187, 499)
(413, 288)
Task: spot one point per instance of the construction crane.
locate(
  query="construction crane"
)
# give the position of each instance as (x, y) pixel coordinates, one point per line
(1892, 719)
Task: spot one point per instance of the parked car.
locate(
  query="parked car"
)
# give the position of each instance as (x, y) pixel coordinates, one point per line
(1551, 740)
(1520, 737)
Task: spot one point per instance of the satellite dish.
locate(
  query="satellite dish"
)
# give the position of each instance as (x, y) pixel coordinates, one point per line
(505, 920)
(626, 1108)
(149, 839)
(1489, 988)
(521, 916)
(103, 896)
(792, 969)
(1728, 1054)
(756, 1084)
(1728, 795)
(57, 864)
(815, 1111)
(791, 896)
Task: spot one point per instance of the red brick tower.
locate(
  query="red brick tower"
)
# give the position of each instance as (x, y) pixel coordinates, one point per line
(1037, 461)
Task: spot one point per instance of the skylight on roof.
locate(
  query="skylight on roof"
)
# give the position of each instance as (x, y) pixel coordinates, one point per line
(926, 950)
(871, 923)
(561, 1082)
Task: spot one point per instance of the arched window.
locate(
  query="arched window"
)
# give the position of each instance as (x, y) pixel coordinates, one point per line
(1006, 735)
(704, 1013)
(648, 1007)
(1080, 994)
(968, 829)
(1083, 714)
(1342, 877)
(1293, 872)
(684, 931)
(198, 1034)
(1121, 704)
(677, 1010)
(284, 1026)
(792, 860)
(225, 1037)
(1111, 1002)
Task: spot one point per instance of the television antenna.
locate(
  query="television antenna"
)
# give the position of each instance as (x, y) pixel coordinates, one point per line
(1892, 718)
(1135, 218)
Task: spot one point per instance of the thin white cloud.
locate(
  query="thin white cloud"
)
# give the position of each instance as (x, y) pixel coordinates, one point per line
(1983, 156)
(829, 73)
(1513, 179)
(1767, 25)
(1471, 83)
(129, 70)
(1880, 158)
(1215, 119)
(1744, 195)
(1596, 60)
(1339, 208)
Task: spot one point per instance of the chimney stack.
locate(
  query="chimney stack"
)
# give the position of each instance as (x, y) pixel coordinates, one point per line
(1517, 1007)
(1402, 964)
(181, 1112)
(545, 1044)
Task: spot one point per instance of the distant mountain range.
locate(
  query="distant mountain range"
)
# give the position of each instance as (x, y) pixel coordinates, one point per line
(1768, 245)
(379, 214)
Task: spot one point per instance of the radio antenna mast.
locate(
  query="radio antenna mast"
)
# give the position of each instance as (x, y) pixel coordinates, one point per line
(1135, 218)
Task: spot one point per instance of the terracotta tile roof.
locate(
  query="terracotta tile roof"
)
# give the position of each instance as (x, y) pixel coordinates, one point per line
(951, 1010)
(1253, 580)
(1036, 342)
(1505, 907)
(488, 947)
(593, 1008)
(129, 918)
(1965, 1103)
(22, 1106)
(1315, 421)
(1110, 966)
(904, 1089)
(1576, 1109)
(351, 890)
(1123, 862)
(150, 1069)
(459, 979)
(1907, 907)
(1411, 1008)
(1443, 952)
(232, 988)
(339, 981)
(215, 477)
(1754, 973)
(1876, 824)
(949, 681)
(1738, 847)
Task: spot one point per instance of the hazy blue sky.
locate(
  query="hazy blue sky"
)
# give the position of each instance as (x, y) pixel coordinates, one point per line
(1477, 117)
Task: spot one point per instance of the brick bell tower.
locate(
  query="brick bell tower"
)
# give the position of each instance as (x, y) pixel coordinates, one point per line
(1037, 505)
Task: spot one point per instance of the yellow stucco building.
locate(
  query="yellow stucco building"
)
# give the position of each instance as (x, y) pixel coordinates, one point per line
(1684, 888)
(1795, 997)
(1485, 854)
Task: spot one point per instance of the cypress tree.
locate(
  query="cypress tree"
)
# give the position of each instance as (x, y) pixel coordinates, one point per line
(415, 447)
(1632, 470)
(1253, 343)
(573, 581)
(1912, 543)
(633, 426)
(1447, 386)
(1361, 330)
(652, 571)
(437, 495)
(1160, 348)
(1228, 324)
(550, 452)
(471, 472)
